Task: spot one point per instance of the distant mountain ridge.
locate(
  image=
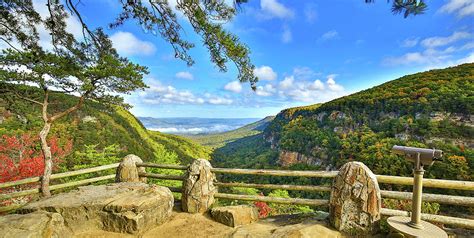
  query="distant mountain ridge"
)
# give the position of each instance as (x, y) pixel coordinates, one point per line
(220, 139)
(194, 125)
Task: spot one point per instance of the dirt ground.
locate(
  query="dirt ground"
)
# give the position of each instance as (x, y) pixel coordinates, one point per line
(185, 225)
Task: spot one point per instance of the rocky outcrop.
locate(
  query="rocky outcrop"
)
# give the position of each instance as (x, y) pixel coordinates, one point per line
(288, 158)
(235, 215)
(128, 170)
(36, 224)
(121, 207)
(198, 187)
(294, 226)
(305, 231)
(355, 202)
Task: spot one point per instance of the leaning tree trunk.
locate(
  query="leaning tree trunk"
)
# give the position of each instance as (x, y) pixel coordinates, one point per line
(48, 160)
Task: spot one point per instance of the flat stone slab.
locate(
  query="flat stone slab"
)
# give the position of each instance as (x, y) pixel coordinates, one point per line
(235, 215)
(37, 224)
(121, 207)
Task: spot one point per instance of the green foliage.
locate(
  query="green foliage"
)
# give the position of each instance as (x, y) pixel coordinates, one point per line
(157, 17)
(423, 110)
(100, 134)
(430, 110)
(92, 157)
(277, 209)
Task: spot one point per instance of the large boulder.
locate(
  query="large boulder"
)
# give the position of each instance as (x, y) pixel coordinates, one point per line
(355, 202)
(235, 215)
(37, 224)
(198, 187)
(128, 170)
(122, 207)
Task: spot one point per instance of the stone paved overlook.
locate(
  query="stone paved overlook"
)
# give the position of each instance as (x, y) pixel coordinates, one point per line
(132, 208)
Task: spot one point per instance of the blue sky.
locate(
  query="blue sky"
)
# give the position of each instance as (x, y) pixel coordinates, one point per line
(305, 52)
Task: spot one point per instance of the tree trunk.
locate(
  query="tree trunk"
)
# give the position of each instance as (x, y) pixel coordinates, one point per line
(48, 160)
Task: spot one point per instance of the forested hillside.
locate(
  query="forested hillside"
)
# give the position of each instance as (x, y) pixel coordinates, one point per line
(432, 109)
(95, 135)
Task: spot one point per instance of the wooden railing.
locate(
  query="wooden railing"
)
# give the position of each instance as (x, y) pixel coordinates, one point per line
(36, 190)
(382, 179)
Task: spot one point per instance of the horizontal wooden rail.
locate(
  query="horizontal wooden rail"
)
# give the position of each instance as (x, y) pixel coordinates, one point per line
(163, 166)
(277, 186)
(55, 187)
(11, 207)
(269, 172)
(60, 175)
(162, 176)
(427, 197)
(453, 221)
(296, 201)
(432, 183)
(82, 182)
(85, 171)
(20, 182)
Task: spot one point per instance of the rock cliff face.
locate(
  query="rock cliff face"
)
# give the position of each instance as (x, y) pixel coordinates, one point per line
(288, 158)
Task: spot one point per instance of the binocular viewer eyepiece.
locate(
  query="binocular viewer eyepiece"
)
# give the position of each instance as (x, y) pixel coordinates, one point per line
(427, 156)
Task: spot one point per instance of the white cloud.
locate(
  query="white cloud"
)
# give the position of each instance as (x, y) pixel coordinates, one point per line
(157, 93)
(301, 90)
(332, 85)
(442, 41)
(461, 8)
(287, 82)
(127, 44)
(219, 101)
(272, 8)
(317, 85)
(234, 86)
(265, 91)
(333, 34)
(265, 73)
(429, 57)
(434, 55)
(184, 75)
(410, 42)
(286, 37)
(310, 13)
(305, 73)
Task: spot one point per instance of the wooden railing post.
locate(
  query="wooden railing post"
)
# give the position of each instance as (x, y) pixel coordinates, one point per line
(128, 171)
(355, 203)
(198, 187)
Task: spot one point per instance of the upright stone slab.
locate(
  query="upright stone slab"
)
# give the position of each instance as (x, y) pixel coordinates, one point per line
(198, 187)
(128, 170)
(355, 201)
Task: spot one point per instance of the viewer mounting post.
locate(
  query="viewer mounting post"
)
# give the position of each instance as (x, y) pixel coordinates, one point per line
(414, 226)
